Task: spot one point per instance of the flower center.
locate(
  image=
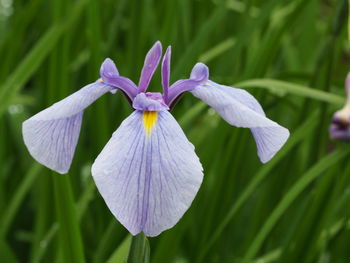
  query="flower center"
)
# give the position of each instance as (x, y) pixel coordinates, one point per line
(150, 101)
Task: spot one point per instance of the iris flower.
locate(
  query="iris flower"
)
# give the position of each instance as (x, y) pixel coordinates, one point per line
(148, 173)
(340, 126)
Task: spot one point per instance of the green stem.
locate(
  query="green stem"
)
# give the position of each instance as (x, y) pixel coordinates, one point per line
(139, 249)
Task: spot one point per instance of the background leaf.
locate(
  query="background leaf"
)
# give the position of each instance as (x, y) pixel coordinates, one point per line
(293, 56)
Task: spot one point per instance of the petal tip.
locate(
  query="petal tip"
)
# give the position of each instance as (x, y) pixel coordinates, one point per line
(200, 71)
(108, 68)
(283, 137)
(168, 49)
(158, 44)
(156, 49)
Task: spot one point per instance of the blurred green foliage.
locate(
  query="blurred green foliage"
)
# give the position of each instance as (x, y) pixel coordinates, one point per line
(292, 55)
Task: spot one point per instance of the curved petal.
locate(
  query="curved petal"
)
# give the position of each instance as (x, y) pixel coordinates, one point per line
(199, 75)
(239, 108)
(148, 173)
(108, 68)
(52, 134)
(110, 76)
(150, 65)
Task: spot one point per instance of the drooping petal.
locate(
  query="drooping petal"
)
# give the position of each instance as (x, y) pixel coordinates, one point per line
(150, 65)
(166, 73)
(148, 173)
(110, 76)
(241, 109)
(199, 76)
(52, 134)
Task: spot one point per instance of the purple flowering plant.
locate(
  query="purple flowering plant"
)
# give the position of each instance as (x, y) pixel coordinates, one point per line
(148, 173)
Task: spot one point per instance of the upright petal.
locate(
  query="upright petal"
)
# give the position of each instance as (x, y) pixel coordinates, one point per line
(149, 67)
(239, 108)
(52, 134)
(166, 73)
(148, 173)
(199, 76)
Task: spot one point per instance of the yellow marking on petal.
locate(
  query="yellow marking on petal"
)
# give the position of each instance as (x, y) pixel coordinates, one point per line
(100, 80)
(206, 84)
(149, 119)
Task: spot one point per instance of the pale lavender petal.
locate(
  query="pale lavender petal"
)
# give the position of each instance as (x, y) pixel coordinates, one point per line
(148, 177)
(110, 76)
(199, 75)
(241, 109)
(52, 134)
(149, 102)
(166, 73)
(150, 65)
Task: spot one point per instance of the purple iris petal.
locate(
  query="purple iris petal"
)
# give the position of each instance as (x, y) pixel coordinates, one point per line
(200, 72)
(110, 76)
(151, 63)
(52, 134)
(199, 75)
(241, 109)
(339, 131)
(148, 181)
(108, 68)
(340, 127)
(149, 101)
(166, 73)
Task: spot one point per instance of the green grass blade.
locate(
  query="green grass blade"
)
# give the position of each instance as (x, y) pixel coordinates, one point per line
(281, 88)
(217, 50)
(81, 208)
(120, 255)
(28, 66)
(296, 137)
(68, 222)
(20, 193)
(6, 254)
(291, 195)
(192, 51)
